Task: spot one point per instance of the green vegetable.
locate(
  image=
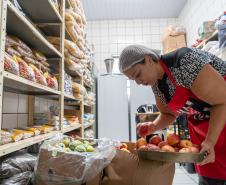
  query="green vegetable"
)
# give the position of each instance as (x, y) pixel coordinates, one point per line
(89, 148)
(80, 148)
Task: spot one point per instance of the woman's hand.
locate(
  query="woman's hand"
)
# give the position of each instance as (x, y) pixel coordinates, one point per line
(144, 129)
(209, 148)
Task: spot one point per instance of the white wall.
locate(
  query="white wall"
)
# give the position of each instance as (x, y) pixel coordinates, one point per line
(197, 11)
(15, 109)
(110, 37)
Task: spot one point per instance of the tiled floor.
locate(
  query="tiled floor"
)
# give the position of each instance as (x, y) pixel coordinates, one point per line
(182, 177)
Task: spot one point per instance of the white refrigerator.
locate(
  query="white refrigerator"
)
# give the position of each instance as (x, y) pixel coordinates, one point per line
(112, 107)
(117, 103)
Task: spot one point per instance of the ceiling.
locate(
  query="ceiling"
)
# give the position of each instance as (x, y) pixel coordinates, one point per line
(131, 9)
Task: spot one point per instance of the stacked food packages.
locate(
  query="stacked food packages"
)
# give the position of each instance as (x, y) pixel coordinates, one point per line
(72, 120)
(30, 64)
(78, 90)
(17, 134)
(88, 119)
(68, 84)
(90, 98)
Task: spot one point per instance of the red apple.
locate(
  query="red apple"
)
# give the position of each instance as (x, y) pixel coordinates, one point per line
(162, 143)
(194, 149)
(185, 150)
(125, 150)
(155, 140)
(185, 143)
(141, 142)
(173, 139)
(168, 148)
(123, 145)
(153, 147)
(143, 148)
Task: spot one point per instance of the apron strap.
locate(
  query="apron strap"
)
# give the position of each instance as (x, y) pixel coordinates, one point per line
(168, 73)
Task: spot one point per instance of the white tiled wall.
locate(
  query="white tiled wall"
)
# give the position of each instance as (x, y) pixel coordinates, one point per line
(15, 109)
(110, 37)
(197, 11)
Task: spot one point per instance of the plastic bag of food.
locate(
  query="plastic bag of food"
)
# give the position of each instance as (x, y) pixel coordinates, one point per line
(19, 179)
(78, 88)
(17, 163)
(51, 81)
(25, 70)
(11, 65)
(73, 66)
(39, 56)
(26, 134)
(11, 51)
(71, 57)
(39, 76)
(14, 41)
(34, 130)
(23, 52)
(5, 137)
(65, 160)
(30, 60)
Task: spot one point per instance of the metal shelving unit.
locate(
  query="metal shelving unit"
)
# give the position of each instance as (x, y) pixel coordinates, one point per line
(42, 19)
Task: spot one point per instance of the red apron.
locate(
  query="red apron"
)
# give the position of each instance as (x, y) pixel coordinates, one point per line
(198, 130)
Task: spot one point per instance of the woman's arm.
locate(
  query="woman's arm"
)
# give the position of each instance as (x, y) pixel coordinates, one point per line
(210, 87)
(165, 118)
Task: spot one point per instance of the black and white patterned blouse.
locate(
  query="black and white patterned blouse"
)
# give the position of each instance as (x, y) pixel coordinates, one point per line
(184, 65)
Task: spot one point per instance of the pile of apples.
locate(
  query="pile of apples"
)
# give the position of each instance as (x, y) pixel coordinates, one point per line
(172, 144)
(123, 147)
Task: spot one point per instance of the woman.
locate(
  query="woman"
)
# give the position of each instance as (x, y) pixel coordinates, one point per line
(189, 81)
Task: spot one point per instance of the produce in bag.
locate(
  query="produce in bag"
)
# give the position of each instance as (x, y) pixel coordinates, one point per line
(11, 65)
(69, 160)
(14, 41)
(24, 69)
(39, 76)
(51, 81)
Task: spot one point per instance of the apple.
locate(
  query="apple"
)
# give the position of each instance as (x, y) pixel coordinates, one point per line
(173, 139)
(123, 145)
(155, 140)
(185, 143)
(143, 148)
(153, 147)
(141, 142)
(185, 150)
(125, 150)
(194, 149)
(168, 148)
(162, 143)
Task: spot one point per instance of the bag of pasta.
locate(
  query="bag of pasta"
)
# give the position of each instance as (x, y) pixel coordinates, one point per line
(38, 75)
(11, 65)
(24, 70)
(51, 81)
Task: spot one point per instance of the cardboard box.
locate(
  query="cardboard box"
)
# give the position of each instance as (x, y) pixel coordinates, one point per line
(171, 43)
(127, 169)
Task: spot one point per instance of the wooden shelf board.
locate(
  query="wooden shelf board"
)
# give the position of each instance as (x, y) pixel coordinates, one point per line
(75, 127)
(12, 147)
(17, 84)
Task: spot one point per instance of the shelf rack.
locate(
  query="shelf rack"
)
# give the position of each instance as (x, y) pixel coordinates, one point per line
(40, 19)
